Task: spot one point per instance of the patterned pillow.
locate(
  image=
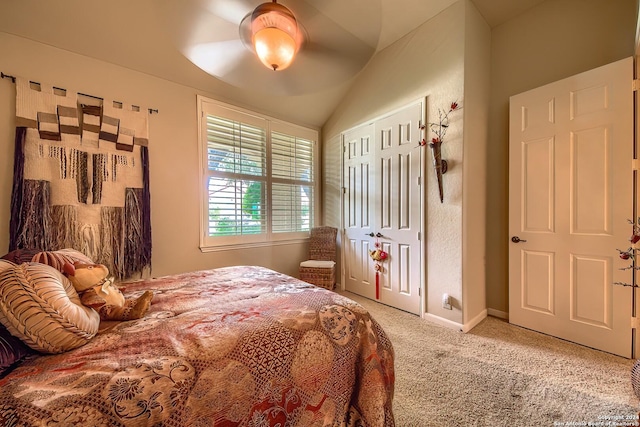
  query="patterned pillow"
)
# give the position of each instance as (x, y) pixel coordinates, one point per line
(12, 350)
(57, 259)
(18, 256)
(40, 306)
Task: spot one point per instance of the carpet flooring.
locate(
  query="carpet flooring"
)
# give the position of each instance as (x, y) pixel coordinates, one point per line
(501, 375)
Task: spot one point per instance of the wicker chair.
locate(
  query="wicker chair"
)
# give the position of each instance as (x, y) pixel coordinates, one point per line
(320, 268)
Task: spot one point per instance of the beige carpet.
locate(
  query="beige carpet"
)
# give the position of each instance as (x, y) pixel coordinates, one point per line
(501, 375)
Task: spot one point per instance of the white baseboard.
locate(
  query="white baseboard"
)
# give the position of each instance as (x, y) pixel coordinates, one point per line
(497, 313)
(474, 322)
(455, 325)
(442, 321)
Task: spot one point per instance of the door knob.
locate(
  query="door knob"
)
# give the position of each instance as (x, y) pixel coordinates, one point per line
(378, 234)
(516, 239)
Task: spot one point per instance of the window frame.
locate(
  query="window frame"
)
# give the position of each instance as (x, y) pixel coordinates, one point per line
(228, 111)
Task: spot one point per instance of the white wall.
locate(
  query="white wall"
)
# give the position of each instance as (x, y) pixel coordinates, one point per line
(477, 79)
(173, 148)
(430, 61)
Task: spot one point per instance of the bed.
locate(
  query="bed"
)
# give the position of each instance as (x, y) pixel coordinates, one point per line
(234, 346)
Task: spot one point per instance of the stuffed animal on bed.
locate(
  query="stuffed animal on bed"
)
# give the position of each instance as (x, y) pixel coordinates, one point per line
(97, 290)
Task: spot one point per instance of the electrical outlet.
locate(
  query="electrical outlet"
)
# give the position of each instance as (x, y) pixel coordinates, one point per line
(446, 302)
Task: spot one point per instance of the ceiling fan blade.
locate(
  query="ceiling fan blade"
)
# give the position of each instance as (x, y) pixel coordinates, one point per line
(219, 58)
(231, 10)
(215, 35)
(190, 23)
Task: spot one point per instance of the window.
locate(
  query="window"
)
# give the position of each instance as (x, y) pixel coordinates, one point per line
(258, 177)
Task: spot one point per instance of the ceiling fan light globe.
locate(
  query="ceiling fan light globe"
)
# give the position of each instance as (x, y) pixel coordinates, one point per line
(278, 17)
(275, 49)
(274, 35)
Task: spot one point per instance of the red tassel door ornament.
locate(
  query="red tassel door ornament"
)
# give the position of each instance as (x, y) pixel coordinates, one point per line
(378, 255)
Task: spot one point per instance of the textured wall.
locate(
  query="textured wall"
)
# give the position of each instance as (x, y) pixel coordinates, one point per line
(427, 62)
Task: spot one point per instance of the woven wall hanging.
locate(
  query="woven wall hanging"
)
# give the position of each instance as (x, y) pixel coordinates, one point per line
(81, 178)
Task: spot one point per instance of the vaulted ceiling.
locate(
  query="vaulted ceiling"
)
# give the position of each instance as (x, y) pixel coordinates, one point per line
(149, 36)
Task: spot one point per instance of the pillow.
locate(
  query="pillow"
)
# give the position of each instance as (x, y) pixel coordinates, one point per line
(12, 350)
(18, 256)
(40, 306)
(57, 259)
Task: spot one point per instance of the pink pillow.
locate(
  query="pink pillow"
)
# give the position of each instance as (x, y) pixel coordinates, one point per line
(57, 259)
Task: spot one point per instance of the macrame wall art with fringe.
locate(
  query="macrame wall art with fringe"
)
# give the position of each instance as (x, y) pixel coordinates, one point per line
(81, 177)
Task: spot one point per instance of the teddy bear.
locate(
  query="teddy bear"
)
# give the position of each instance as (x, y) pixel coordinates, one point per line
(97, 290)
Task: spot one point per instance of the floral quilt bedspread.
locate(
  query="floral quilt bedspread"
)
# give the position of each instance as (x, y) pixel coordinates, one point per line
(235, 346)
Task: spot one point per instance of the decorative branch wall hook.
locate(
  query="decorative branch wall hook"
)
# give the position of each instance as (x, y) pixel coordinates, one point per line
(439, 129)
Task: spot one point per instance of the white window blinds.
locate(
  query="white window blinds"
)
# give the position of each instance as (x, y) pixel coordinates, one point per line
(236, 160)
(259, 177)
(292, 190)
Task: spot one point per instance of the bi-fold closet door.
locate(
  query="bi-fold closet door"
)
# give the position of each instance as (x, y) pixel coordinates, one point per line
(383, 204)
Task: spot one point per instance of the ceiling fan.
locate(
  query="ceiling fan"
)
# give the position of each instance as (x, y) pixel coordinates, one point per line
(332, 43)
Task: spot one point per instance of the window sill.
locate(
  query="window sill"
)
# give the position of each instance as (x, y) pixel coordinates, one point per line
(241, 246)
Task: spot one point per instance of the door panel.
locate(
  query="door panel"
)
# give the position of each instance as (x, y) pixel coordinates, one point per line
(588, 273)
(538, 184)
(570, 199)
(359, 193)
(537, 281)
(400, 208)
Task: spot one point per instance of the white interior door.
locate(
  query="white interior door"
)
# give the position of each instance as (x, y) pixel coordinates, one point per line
(570, 199)
(382, 203)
